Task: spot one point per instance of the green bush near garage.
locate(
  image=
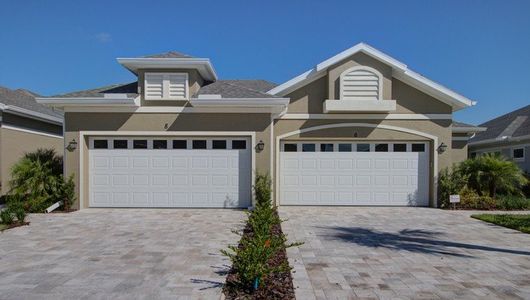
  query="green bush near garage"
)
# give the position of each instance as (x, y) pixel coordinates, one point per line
(488, 181)
(37, 182)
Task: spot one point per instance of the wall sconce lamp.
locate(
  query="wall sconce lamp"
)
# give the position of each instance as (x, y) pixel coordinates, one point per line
(442, 148)
(260, 146)
(72, 145)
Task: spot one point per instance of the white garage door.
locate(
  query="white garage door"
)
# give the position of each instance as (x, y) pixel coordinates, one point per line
(169, 172)
(343, 173)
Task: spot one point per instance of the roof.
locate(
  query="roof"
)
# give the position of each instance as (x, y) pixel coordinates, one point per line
(169, 54)
(462, 124)
(26, 100)
(513, 125)
(129, 89)
(461, 127)
(238, 89)
(400, 71)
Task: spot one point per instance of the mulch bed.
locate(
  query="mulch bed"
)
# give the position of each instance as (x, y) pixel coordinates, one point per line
(16, 224)
(275, 286)
(57, 211)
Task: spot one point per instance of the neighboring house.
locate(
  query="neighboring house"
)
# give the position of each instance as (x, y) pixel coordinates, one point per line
(25, 127)
(359, 128)
(508, 135)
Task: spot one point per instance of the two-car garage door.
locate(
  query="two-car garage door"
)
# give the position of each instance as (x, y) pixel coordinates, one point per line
(347, 173)
(169, 172)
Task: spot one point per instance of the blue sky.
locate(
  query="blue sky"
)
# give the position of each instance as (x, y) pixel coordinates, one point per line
(480, 49)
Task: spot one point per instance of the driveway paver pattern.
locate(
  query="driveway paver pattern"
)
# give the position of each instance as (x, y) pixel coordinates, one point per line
(404, 253)
(118, 254)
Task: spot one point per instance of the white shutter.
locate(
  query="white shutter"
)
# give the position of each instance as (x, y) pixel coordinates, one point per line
(166, 86)
(177, 86)
(154, 86)
(360, 84)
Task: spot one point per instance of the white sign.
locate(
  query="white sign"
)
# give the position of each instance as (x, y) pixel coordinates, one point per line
(454, 198)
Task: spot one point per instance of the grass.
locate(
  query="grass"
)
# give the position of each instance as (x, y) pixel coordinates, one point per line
(517, 222)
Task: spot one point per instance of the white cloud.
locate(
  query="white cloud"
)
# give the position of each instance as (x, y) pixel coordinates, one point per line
(103, 37)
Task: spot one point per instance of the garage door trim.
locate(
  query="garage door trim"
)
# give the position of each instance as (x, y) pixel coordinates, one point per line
(279, 138)
(84, 146)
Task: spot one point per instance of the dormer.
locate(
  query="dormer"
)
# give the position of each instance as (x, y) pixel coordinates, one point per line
(170, 76)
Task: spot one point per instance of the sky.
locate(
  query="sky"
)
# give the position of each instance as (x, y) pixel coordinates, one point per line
(480, 49)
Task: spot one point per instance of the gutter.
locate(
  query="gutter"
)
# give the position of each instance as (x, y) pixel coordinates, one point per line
(23, 112)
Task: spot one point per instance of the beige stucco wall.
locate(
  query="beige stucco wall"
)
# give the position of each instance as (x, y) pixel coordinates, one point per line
(458, 151)
(14, 144)
(156, 122)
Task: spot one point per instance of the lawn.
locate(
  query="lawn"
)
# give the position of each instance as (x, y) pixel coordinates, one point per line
(517, 222)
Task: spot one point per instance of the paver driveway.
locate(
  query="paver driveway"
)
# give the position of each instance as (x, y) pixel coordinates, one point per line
(368, 252)
(118, 254)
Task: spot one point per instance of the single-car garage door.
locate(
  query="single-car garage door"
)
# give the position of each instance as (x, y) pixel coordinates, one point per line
(169, 172)
(347, 173)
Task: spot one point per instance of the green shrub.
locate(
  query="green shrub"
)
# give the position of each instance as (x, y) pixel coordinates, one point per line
(262, 189)
(450, 182)
(6, 216)
(470, 199)
(20, 213)
(511, 202)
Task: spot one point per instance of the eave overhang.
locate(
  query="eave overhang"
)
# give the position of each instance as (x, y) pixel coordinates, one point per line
(202, 65)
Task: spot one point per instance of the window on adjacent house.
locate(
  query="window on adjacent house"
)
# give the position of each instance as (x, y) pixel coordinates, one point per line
(166, 86)
(473, 154)
(101, 144)
(361, 83)
(289, 147)
(518, 153)
(159, 144)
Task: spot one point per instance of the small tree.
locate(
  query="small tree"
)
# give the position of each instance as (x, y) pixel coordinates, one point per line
(498, 173)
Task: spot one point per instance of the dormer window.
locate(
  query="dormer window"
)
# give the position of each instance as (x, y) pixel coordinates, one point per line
(166, 86)
(361, 83)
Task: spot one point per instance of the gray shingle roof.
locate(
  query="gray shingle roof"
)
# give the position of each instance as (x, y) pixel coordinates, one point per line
(250, 88)
(25, 99)
(513, 124)
(131, 89)
(169, 54)
(462, 124)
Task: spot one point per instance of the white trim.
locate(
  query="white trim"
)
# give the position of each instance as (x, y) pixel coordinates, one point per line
(400, 71)
(86, 101)
(460, 138)
(368, 125)
(23, 112)
(498, 148)
(31, 131)
(81, 145)
(203, 65)
(468, 129)
(296, 116)
(362, 68)
(339, 106)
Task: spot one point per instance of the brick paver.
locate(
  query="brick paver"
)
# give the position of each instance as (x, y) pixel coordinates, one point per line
(118, 254)
(402, 253)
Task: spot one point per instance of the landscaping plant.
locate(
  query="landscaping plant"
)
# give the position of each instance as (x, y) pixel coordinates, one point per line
(6, 216)
(261, 250)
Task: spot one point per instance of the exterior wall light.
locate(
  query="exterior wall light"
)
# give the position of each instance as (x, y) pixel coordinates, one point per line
(260, 146)
(442, 148)
(72, 145)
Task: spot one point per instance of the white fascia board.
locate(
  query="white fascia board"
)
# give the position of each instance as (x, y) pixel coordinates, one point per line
(86, 101)
(239, 102)
(19, 111)
(468, 129)
(203, 65)
(501, 140)
(400, 71)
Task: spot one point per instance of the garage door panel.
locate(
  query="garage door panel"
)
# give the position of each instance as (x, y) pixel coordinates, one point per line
(357, 178)
(169, 178)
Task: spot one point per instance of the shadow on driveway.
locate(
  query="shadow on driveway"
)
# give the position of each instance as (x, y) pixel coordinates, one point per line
(419, 241)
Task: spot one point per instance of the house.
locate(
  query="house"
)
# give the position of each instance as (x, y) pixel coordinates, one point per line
(25, 126)
(359, 128)
(508, 135)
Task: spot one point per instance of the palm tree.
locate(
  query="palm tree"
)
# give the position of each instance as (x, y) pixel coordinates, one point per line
(498, 173)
